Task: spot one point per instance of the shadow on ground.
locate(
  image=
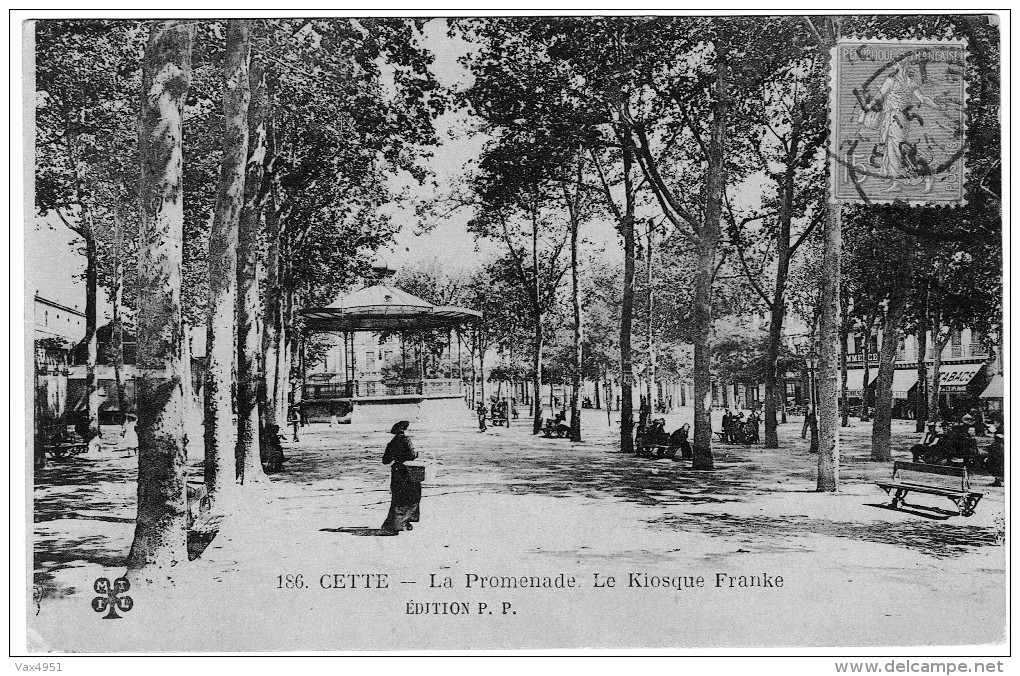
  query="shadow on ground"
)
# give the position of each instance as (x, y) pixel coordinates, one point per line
(363, 531)
(937, 539)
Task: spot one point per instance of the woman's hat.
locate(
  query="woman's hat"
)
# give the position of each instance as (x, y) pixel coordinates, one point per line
(400, 427)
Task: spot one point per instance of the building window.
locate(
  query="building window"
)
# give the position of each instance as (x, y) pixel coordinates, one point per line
(46, 318)
(369, 361)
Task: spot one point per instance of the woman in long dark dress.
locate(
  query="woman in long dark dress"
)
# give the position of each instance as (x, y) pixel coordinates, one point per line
(405, 491)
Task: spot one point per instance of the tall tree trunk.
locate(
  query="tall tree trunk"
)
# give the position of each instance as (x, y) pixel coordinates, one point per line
(652, 390)
(881, 432)
(844, 338)
(273, 302)
(707, 242)
(942, 336)
(775, 339)
(117, 327)
(627, 308)
(866, 375)
(777, 312)
(220, 433)
(86, 229)
(474, 343)
(536, 311)
(91, 335)
(575, 302)
(921, 337)
(249, 341)
(829, 353)
(536, 378)
(160, 539)
(481, 370)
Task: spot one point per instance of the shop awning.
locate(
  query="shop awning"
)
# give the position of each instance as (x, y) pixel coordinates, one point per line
(956, 377)
(854, 382)
(994, 389)
(902, 382)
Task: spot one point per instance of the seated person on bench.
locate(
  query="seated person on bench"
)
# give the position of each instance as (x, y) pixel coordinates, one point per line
(681, 439)
(561, 426)
(928, 440)
(656, 435)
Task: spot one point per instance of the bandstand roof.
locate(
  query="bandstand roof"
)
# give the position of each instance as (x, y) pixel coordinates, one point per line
(384, 308)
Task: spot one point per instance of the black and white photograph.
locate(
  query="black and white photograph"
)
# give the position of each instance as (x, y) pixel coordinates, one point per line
(400, 332)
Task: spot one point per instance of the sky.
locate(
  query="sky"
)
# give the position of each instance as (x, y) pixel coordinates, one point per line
(54, 268)
(448, 239)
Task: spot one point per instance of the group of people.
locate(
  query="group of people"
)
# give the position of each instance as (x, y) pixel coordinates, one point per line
(739, 430)
(499, 410)
(654, 434)
(958, 441)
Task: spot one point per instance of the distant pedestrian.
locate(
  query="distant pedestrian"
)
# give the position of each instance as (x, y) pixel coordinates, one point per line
(481, 412)
(405, 490)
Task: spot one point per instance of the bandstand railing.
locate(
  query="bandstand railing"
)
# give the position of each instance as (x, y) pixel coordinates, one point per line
(373, 389)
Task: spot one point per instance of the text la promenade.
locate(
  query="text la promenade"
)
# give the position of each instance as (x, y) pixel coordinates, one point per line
(603, 581)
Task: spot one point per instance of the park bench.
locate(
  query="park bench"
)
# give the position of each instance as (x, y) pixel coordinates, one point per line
(61, 441)
(554, 430)
(944, 480)
(59, 451)
(661, 450)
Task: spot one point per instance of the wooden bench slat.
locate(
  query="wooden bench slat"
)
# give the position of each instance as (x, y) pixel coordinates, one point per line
(924, 478)
(946, 470)
(914, 488)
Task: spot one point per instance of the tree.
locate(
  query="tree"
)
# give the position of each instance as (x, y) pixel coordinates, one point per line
(788, 132)
(900, 278)
(85, 76)
(220, 433)
(160, 539)
(351, 103)
(248, 452)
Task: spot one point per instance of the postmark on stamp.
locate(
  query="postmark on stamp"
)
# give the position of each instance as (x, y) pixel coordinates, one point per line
(898, 121)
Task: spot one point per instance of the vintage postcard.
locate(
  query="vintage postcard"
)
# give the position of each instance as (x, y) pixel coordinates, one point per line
(513, 332)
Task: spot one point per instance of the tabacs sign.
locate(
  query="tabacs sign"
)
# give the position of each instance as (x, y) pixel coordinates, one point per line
(898, 121)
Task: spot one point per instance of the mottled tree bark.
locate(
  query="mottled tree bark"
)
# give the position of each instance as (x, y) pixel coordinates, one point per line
(86, 229)
(249, 340)
(271, 335)
(844, 337)
(707, 243)
(627, 307)
(921, 337)
(573, 205)
(866, 374)
(160, 539)
(117, 323)
(220, 433)
(777, 311)
(829, 353)
(881, 431)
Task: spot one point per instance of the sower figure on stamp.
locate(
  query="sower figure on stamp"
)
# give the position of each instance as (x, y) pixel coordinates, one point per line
(405, 491)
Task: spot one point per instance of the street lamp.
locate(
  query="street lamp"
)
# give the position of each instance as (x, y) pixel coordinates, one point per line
(811, 359)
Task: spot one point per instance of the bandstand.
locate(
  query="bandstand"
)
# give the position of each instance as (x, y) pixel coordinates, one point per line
(382, 309)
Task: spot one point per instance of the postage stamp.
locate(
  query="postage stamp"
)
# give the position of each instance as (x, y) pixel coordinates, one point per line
(899, 121)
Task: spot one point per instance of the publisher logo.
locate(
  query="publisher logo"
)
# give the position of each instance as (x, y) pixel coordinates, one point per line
(112, 599)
